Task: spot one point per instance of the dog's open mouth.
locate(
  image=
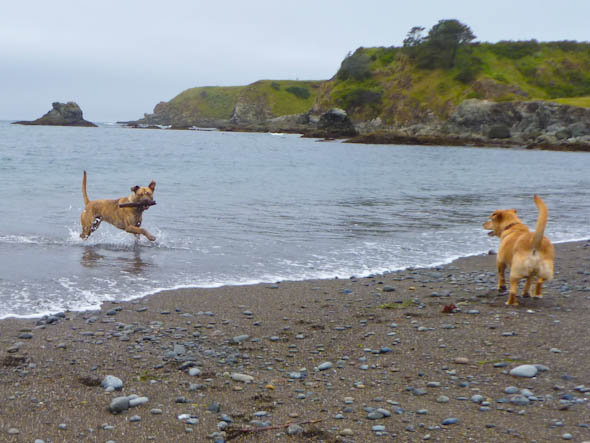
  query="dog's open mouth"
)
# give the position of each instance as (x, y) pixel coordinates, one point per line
(491, 233)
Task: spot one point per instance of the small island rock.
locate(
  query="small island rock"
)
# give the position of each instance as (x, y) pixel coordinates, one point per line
(62, 114)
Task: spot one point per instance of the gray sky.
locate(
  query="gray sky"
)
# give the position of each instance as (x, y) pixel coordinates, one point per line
(117, 59)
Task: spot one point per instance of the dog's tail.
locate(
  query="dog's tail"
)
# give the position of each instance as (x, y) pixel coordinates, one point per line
(84, 194)
(541, 222)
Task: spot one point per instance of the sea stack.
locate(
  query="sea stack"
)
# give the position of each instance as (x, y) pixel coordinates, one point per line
(62, 114)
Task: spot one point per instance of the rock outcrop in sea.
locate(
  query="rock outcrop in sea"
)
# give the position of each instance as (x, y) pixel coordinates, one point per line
(62, 114)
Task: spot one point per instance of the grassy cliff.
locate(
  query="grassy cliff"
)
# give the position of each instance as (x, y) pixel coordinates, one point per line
(390, 84)
(399, 87)
(216, 103)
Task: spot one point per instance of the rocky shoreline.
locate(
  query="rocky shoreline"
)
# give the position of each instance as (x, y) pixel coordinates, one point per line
(526, 124)
(420, 354)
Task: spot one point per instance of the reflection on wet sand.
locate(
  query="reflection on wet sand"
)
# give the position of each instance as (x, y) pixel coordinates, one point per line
(128, 261)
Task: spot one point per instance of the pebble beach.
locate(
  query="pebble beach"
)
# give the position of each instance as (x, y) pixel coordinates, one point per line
(416, 355)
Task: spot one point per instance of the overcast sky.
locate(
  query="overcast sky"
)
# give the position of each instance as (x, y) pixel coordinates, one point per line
(117, 59)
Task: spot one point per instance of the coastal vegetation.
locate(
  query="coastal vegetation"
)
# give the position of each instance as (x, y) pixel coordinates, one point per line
(280, 97)
(422, 81)
(434, 73)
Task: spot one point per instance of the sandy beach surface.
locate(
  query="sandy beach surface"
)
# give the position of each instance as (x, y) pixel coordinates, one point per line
(359, 359)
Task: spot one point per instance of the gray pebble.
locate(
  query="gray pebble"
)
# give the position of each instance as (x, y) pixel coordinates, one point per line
(524, 371)
(133, 402)
(294, 429)
(519, 400)
(193, 372)
(240, 338)
(119, 404)
(477, 398)
(112, 383)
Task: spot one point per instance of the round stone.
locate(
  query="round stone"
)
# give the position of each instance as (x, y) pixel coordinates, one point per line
(524, 371)
(119, 404)
(112, 383)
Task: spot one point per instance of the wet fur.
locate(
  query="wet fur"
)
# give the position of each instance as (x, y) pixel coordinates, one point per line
(127, 219)
(528, 254)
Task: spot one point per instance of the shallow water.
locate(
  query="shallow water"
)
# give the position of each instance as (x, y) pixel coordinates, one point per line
(243, 208)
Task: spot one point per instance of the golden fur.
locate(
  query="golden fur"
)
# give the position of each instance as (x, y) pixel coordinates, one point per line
(527, 254)
(127, 219)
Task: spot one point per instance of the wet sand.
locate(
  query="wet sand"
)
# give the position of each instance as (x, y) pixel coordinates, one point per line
(328, 359)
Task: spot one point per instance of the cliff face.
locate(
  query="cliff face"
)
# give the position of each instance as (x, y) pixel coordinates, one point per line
(525, 122)
(62, 114)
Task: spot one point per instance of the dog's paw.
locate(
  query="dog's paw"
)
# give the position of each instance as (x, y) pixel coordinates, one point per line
(502, 288)
(526, 295)
(538, 296)
(514, 303)
(151, 238)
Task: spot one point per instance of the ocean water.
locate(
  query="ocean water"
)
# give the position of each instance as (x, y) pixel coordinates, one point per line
(239, 208)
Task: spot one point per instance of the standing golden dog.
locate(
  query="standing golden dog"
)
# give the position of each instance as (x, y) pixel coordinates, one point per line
(125, 218)
(527, 254)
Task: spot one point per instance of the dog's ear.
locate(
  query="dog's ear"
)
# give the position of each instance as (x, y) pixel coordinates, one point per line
(152, 186)
(135, 188)
(514, 210)
(497, 215)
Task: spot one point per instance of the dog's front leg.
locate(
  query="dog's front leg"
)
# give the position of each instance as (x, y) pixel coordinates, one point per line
(139, 231)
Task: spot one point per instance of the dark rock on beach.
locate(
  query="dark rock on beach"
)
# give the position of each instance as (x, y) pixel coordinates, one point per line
(62, 114)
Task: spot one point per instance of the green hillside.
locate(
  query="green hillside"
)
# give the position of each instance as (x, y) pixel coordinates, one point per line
(279, 97)
(390, 83)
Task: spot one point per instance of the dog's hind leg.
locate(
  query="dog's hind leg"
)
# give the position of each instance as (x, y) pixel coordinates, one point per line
(539, 288)
(501, 278)
(513, 289)
(526, 291)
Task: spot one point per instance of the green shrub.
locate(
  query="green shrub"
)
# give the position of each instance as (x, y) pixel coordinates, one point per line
(359, 98)
(569, 45)
(355, 66)
(468, 66)
(275, 86)
(387, 55)
(298, 91)
(515, 49)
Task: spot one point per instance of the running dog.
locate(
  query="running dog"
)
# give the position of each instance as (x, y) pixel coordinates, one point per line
(124, 213)
(527, 254)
